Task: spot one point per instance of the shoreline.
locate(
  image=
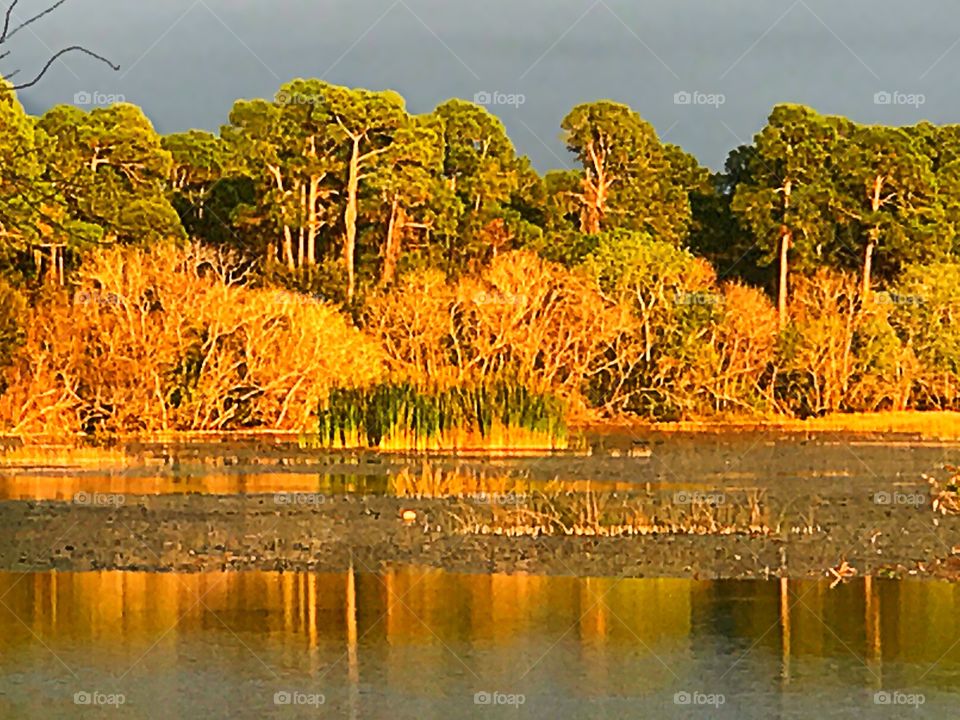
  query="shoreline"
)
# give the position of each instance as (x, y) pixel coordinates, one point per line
(924, 424)
(928, 424)
(808, 526)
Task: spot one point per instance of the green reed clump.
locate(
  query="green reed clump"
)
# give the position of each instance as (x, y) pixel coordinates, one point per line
(403, 416)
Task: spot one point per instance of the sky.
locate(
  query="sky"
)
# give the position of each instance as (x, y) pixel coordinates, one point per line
(705, 73)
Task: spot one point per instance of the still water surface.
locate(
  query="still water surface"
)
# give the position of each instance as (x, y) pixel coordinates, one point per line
(762, 460)
(410, 643)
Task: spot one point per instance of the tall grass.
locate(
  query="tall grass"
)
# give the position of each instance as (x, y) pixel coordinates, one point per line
(404, 417)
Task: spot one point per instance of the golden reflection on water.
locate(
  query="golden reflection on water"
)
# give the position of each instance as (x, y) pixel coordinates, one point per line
(55, 487)
(916, 622)
(66, 487)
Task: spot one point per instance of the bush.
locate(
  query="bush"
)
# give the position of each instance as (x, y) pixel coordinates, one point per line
(13, 310)
(523, 321)
(171, 340)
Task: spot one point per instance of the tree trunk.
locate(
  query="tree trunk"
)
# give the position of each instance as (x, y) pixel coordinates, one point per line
(350, 217)
(287, 235)
(595, 191)
(873, 238)
(785, 242)
(312, 221)
(868, 264)
(288, 248)
(391, 250)
(301, 247)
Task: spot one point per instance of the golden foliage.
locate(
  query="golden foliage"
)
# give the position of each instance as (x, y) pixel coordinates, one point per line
(169, 339)
(532, 321)
(414, 324)
(842, 354)
(524, 319)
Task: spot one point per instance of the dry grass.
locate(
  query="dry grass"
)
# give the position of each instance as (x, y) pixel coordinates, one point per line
(606, 514)
(516, 507)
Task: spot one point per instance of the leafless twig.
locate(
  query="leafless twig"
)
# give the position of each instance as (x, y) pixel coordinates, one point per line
(10, 29)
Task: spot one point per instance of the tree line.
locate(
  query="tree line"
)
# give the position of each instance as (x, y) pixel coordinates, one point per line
(812, 274)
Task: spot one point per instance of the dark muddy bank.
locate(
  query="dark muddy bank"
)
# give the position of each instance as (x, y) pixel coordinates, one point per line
(809, 533)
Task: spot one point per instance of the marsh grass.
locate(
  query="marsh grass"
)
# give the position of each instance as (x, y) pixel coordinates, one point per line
(404, 417)
(614, 514)
(517, 506)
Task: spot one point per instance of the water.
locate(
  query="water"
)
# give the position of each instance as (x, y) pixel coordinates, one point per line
(411, 643)
(831, 463)
(414, 643)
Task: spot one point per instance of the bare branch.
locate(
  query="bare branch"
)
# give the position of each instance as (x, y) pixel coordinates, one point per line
(6, 21)
(51, 61)
(8, 32)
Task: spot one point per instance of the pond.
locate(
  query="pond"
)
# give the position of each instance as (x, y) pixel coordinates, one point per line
(412, 643)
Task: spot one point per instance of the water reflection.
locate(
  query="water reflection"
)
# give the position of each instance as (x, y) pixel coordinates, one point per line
(66, 487)
(428, 640)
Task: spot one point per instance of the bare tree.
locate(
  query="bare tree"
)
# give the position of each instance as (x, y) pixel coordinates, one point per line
(11, 27)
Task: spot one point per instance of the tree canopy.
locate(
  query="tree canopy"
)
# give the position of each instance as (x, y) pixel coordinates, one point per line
(809, 275)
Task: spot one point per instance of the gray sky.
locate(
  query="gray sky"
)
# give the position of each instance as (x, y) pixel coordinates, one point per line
(186, 61)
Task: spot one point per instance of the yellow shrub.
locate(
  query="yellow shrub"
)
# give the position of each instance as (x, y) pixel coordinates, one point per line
(170, 339)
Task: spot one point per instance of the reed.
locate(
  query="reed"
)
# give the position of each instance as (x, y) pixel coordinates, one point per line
(431, 482)
(606, 514)
(405, 417)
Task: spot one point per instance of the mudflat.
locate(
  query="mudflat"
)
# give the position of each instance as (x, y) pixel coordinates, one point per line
(728, 506)
(193, 533)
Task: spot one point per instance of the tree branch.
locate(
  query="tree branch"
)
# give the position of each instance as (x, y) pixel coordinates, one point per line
(8, 32)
